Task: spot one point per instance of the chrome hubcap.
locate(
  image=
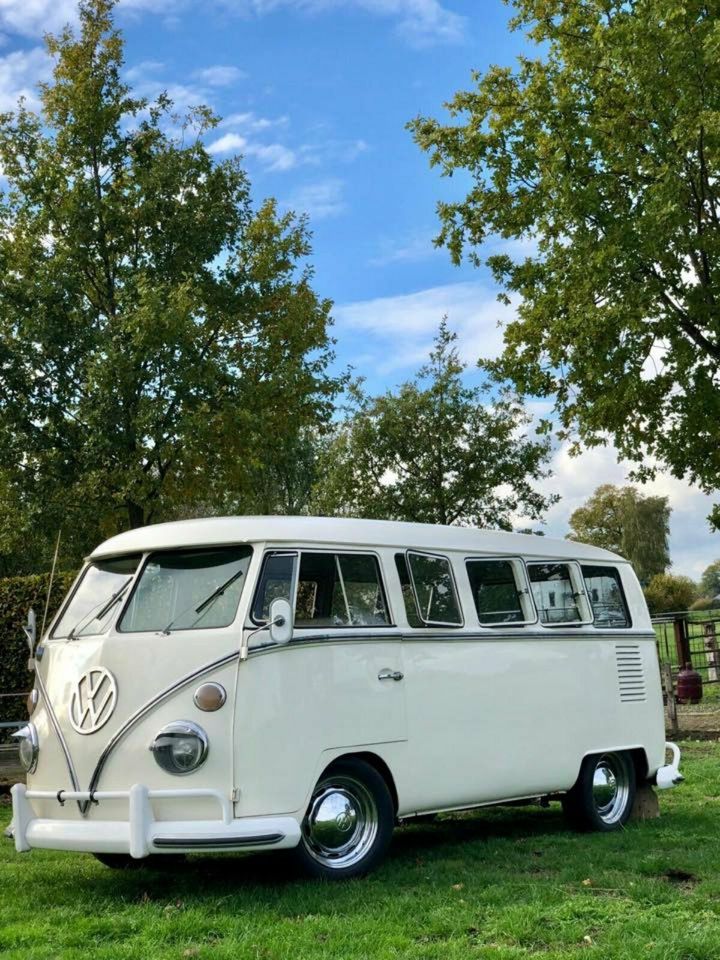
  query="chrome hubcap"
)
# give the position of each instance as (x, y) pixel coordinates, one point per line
(611, 787)
(341, 822)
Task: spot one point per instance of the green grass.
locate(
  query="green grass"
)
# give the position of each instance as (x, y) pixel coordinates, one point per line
(502, 884)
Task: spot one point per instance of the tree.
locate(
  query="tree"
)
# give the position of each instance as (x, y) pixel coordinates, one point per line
(710, 580)
(160, 340)
(603, 153)
(436, 451)
(667, 593)
(625, 521)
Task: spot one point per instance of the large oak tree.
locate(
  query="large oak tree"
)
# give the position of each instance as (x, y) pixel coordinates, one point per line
(624, 520)
(160, 340)
(603, 151)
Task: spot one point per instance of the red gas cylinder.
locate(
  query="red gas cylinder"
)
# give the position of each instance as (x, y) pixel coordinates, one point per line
(689, 685)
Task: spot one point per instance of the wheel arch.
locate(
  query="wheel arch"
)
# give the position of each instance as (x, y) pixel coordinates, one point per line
(375, 761)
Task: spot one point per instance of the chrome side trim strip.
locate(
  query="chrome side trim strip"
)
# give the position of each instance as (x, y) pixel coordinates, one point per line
(142, 711)
(59, 735)
(321, 639)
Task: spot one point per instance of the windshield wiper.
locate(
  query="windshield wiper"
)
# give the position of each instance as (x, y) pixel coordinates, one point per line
(201, 607)
(107, 606)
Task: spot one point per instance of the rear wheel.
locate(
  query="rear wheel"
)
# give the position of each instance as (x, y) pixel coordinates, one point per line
(604, 793)
(348, 824)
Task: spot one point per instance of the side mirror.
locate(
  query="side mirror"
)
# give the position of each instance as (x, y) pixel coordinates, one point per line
(30, 631)
(281, 621)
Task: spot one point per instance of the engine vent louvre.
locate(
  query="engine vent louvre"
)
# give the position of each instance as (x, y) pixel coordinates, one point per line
(631, 675)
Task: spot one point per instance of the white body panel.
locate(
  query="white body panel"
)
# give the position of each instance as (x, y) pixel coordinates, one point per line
(481, 715)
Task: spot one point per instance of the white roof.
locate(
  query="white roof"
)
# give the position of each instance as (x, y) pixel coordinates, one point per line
(214, 531)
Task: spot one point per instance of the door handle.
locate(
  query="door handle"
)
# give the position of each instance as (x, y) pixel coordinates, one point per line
(390, 675)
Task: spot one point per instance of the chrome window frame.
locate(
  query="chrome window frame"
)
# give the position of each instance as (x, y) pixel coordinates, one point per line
(522, 586)
(618, 580)
(332, 551)
(579, 593)
(435, 623)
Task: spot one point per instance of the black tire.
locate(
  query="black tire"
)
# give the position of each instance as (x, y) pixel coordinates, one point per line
(604, 792)
(123, 861)
(354, 840)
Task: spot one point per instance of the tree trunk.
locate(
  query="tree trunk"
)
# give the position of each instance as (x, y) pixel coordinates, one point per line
(136, 515)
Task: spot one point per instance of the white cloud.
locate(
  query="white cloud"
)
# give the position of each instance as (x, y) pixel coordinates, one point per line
(692, 545)
(20, 73)
(319, 200)
(250, 121)
(220, 76)
(273, 156)
(412, 249)
(33, 18)
(420, 22)
(333, 151)
(404, 326)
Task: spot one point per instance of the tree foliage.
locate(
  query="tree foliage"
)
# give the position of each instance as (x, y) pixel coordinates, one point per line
(603, 151)
(160, 340)
(435, 451)
(627, 522)
(667, 593)
(710, 580)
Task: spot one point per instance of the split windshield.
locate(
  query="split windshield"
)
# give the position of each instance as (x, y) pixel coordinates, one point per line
(187, 590)
(103, 587)
(177, 590)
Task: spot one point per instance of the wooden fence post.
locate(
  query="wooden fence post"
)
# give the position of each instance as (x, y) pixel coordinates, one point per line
(667, 676)
(682, 641)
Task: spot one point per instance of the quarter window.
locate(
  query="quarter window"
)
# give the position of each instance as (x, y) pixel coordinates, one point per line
(434, 590)
(276, 582)
(606, 597)
(499, 592)
(558, 593)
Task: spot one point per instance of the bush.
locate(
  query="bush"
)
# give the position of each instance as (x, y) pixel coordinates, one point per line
(667, 593)
(17, 595)
(704, 603)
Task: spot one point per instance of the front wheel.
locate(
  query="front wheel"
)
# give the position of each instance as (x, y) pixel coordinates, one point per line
(348, 824)
(604, 793)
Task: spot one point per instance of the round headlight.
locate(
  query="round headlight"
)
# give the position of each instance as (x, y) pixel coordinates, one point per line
(180, 747)
(28, 747)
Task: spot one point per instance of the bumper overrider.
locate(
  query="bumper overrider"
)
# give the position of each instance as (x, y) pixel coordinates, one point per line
(141, 834)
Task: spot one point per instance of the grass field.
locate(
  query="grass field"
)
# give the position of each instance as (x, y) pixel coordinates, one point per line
(502, 884)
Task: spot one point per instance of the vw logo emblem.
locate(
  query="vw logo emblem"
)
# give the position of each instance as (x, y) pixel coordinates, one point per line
(344, 821)
(93, 700)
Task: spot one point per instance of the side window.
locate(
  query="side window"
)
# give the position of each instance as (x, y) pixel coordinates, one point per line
(606, 597)
(559, 597)
(340, 590)
(434, 590)
(276, 580)
(499, 592)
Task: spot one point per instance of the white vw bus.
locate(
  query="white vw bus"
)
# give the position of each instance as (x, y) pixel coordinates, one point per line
(258, 683)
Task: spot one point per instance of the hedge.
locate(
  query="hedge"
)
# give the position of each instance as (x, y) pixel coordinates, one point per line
(17, 595)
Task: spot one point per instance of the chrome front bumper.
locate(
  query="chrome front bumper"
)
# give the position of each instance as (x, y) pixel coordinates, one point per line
(141, 834)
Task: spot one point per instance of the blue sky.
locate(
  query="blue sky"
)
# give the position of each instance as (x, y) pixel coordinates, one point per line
(315, 94)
